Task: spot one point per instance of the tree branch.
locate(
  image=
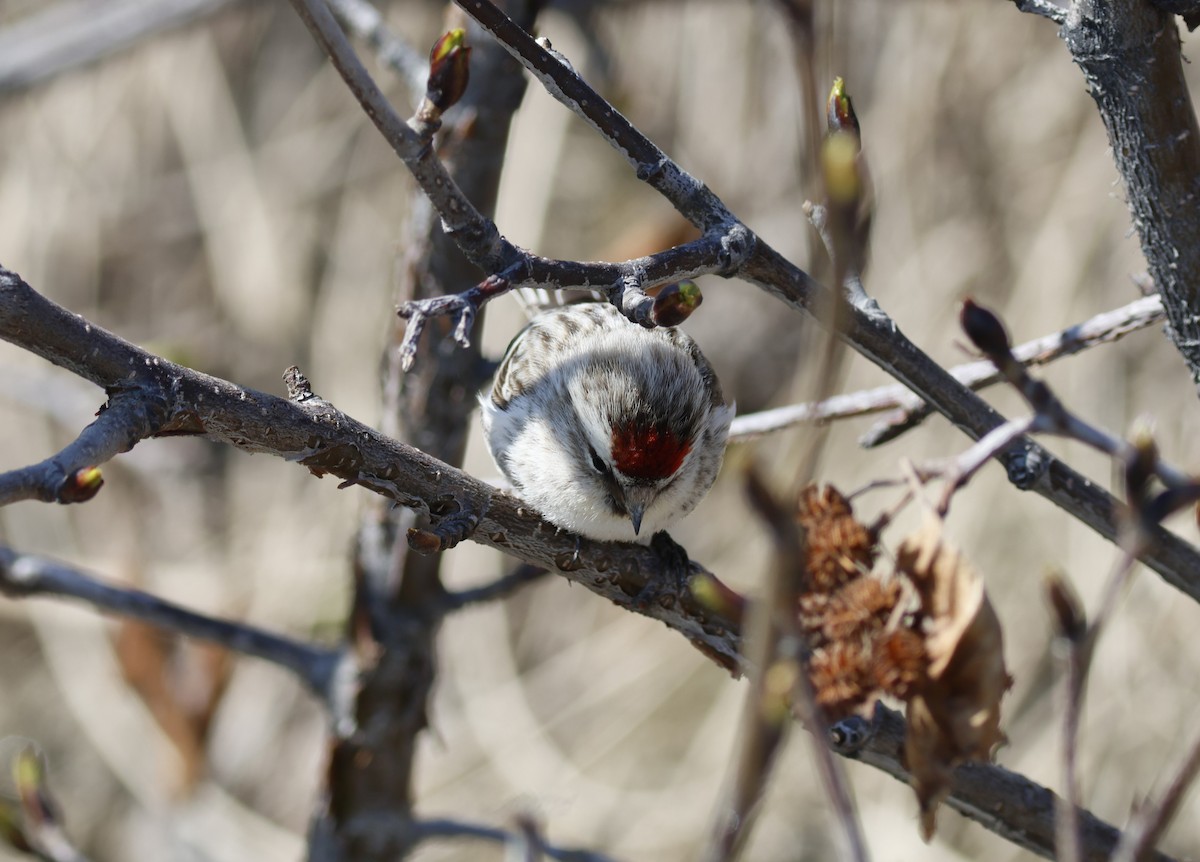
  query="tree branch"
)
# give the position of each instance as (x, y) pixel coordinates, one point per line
(121, 424)
(1127, 50)
(1045, 8)
(1008, 804)
(24, 575)
(1103, 328)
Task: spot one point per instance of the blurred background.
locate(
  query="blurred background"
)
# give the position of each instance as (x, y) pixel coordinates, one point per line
(214, 194)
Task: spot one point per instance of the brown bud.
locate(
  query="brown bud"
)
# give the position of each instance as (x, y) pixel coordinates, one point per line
(675, 303)
(1069, 619)
(424, 542)
(984, 329)
(449, 70)
(1140, 466)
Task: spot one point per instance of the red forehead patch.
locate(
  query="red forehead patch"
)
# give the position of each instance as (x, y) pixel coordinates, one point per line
(647, 453)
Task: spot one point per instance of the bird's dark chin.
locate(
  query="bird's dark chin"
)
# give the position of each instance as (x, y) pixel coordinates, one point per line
(617, 507)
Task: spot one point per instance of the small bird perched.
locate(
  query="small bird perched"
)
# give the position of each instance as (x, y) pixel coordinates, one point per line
(608, 429)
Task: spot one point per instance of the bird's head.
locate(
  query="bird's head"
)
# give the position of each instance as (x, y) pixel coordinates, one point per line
(641, 459)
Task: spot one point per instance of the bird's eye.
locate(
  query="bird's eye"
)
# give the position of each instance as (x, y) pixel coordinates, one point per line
(597, 462)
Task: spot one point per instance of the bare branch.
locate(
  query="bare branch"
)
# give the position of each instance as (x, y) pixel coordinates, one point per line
(1126, 50)
(363, 21)
(1045, 8)
(1104, 328)
(1071, 637)
(1151, 820)
(443, 828)
(24, 575)
(124, 421)
(1015, 808)
(497, 589)
(476, 235)
(321, 438)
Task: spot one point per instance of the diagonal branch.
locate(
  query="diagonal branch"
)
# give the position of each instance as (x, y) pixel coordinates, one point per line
(1007, 803)
(24, 575)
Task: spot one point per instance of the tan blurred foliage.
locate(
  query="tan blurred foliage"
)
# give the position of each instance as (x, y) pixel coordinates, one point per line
(216, 195)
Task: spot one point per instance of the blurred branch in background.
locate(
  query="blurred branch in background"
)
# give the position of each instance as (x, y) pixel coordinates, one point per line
(69, 35)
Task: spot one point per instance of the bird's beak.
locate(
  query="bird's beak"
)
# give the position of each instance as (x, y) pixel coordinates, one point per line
(636, 509)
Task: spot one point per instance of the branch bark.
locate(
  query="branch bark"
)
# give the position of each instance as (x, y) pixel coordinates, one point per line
(1129, 53)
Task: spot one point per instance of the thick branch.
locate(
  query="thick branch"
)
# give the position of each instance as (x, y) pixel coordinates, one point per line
(1130, 56)
(1008, 804)
(325, 440)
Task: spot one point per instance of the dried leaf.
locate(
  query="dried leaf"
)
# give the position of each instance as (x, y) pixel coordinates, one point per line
(955, 714)
(180, 683)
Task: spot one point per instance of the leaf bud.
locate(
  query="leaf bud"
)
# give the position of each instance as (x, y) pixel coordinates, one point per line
(449, 70)
(1069, 619)
(81, 485)
(984, 329)
(675, 303)
(840, 170)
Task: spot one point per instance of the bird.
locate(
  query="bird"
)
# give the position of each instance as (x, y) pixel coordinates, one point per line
(609, 429)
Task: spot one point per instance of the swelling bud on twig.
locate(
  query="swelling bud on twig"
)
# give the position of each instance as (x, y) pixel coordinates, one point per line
(985, 330)
(675, 303)
(1069, 620)
(849, 199)
(839, 168)
(449, 70)
(81, 485)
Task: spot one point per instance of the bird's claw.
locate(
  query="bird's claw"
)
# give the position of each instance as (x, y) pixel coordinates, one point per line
(669, 582)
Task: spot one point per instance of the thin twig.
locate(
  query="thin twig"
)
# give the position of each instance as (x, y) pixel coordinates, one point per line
(780, 684)
(497, 589)
(447, 828)
(1151, 820)
(363, 21)
(24, 575)
(1103, 328)
(125, 420)
(1045, 8)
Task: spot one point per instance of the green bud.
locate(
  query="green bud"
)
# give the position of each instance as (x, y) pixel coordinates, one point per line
(449, 70)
